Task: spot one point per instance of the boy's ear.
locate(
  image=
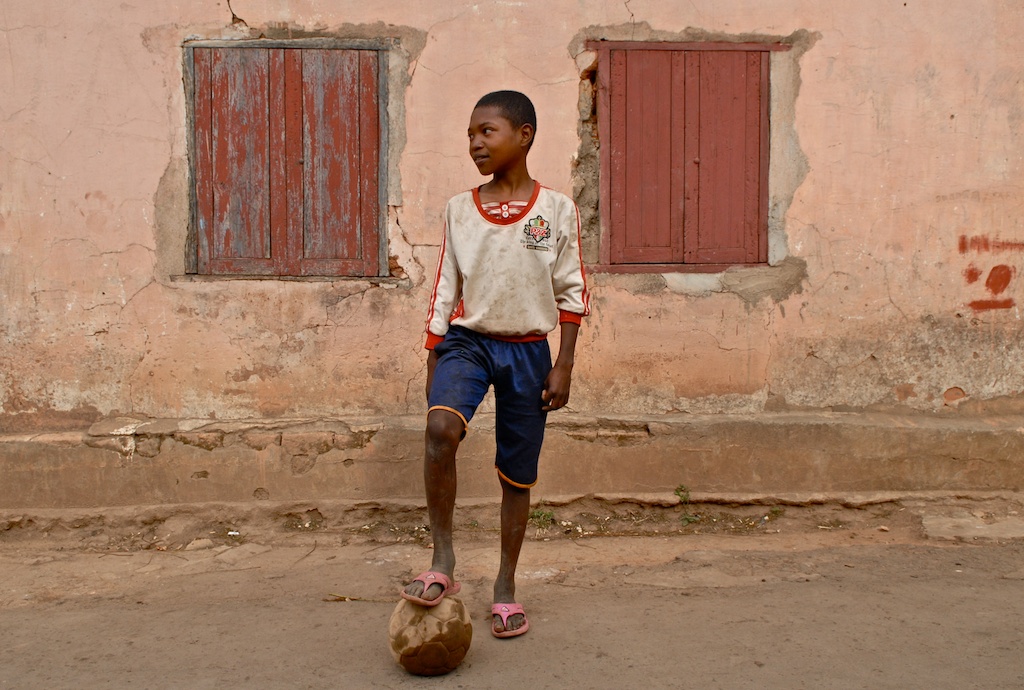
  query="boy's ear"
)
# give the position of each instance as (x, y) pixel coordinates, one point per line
(526, 135)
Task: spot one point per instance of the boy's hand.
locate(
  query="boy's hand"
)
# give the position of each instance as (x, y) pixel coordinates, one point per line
(431, 365)
(556, 387)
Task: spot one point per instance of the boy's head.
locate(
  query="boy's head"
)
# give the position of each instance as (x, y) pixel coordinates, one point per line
(515, 107)
(501, 131)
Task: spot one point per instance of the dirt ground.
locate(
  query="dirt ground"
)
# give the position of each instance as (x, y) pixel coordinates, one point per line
(885, 594)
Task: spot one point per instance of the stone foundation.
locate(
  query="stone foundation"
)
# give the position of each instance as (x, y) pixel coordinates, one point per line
(126, 461)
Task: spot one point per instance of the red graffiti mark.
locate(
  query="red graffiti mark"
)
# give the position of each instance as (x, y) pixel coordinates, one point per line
(983, 243)
(989, 304)
(998, 278)
(972, 273)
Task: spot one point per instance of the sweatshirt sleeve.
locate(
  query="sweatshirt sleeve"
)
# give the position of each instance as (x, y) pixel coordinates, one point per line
(568, 278)
(447, 290)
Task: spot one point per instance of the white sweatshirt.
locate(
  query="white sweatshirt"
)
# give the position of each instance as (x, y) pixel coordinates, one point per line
(512, 278)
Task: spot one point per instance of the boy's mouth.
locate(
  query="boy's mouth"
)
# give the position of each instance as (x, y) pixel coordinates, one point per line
(479, 160)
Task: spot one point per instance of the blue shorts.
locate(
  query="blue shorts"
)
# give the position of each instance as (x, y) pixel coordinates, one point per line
(468, 364)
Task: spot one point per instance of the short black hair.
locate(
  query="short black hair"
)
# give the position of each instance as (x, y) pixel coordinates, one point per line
(515, 107)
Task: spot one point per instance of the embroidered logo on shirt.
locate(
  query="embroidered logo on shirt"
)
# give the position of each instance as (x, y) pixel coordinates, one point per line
(538, 234)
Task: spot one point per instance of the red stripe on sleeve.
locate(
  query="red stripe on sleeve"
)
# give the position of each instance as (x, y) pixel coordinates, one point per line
(437, 277)
(583, 272)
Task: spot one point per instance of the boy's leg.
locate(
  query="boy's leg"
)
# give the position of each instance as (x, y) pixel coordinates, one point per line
(515, 512)
(461, 379)
(519, 433)
(444, 432)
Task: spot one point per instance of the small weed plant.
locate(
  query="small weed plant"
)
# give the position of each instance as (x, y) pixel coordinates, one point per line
(682, 492)
(541, 519)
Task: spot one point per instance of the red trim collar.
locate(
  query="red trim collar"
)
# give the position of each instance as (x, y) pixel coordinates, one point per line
(511, 219)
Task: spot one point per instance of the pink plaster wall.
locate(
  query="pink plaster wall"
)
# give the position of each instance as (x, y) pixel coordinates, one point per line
(898, 132)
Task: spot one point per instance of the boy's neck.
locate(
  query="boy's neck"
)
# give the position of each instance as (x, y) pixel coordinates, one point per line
(515, 185)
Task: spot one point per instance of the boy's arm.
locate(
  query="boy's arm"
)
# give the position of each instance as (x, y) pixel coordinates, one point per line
(567, 278)
(556, 385)
(447, 290)
(573, 303)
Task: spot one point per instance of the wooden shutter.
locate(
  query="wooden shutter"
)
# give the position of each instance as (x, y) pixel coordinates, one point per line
(688, 152)
(287, 161)
(339, 162)
(233, 110)
(726, 161)
(647, 110)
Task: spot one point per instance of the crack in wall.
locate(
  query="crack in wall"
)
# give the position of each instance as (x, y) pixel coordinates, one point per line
(632, 18)
(888, 290)
(235, 19)
(131, 377)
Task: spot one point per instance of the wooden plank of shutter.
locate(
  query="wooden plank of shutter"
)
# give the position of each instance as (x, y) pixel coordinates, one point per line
(203, 150)
(755, 206)
(656, 131)
(635, 175)
(292, 154)
(731, 151)
(758, 224)
(340, 149)
(369, 160)
(617, 153)
(277, 131)
(238, 233)
(691, 156)
(677, 146)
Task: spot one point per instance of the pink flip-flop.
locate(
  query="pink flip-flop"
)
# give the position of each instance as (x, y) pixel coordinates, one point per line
(432, 577)
(506, 610)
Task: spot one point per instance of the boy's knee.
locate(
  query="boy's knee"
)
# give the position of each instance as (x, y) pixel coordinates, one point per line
(513, 490)
(444, 428)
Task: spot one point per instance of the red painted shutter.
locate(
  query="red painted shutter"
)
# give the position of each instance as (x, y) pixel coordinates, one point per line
(727, 159)
(687, 156)
(340, 164)
(647, 106)
(286, 161)
(233, 152)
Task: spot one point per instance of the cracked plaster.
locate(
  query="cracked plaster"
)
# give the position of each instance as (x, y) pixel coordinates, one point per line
(235, 390)
(900, 151)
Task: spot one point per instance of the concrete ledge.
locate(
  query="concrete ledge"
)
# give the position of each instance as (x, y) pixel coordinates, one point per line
(129, 461)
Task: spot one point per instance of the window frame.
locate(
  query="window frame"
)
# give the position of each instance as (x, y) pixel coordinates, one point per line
(609, 232)
(382, 47)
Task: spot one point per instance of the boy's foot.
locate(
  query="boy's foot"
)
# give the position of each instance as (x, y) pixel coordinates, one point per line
(509, 620)
(429, 587)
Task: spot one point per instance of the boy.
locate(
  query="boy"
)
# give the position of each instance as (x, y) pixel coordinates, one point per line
(509, 270)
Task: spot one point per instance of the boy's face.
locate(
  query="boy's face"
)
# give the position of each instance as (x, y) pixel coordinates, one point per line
(494, 144)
